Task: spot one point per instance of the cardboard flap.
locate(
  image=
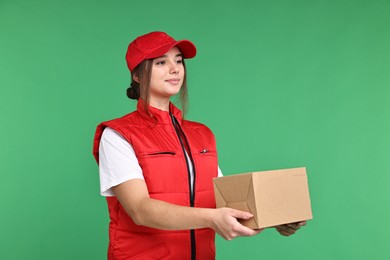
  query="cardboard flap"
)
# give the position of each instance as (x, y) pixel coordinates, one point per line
(232, 190)
(233, 193)
(238, 205)
(219, 200)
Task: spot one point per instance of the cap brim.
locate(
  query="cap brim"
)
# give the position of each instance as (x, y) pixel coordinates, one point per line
(186, 48)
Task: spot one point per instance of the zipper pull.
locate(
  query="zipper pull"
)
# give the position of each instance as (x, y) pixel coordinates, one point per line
(204, 151)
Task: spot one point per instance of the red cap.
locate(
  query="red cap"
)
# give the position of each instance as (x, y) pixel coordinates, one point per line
(153, 45)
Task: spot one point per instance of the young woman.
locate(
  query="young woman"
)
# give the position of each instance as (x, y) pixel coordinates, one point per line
(156, 168)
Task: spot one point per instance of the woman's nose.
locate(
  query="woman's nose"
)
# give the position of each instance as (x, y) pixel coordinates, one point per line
(174, 68)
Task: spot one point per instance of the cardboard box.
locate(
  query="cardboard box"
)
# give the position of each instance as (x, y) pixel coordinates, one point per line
(273, 197)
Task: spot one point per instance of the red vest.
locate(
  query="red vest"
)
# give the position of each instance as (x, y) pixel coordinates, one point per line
(160, 153)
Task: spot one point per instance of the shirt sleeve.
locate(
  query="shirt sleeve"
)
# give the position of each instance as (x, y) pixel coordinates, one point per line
(219, 172)
(117, 161)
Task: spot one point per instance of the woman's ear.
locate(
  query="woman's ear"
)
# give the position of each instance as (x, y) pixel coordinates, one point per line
(135, 78)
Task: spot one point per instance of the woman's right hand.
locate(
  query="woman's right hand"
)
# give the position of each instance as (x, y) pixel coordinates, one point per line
(134, 197)
(225, 223)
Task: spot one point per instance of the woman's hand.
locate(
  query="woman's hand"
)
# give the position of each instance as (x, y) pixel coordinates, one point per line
(134, 197)
(225, 223)
(289, 229)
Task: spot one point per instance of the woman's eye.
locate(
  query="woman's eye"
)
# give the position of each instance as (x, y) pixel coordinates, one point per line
(160, 62)
(179, 61)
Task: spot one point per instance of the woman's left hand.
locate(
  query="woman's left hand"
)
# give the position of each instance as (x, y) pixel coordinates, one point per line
(289, 229)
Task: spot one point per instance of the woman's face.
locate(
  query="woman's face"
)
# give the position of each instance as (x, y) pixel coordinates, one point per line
(167, 75)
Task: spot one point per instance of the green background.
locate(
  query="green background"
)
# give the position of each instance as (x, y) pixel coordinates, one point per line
(281, 83)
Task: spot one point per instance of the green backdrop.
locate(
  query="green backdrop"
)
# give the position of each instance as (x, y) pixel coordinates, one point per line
(281, 83)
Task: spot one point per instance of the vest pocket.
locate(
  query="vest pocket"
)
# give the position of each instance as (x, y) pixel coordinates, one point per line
(158, 153)
(157, 252)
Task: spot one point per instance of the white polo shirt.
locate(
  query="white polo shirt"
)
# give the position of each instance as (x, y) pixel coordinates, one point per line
(118, 163)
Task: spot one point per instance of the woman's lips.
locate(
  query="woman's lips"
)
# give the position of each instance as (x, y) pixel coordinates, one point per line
(173, 81)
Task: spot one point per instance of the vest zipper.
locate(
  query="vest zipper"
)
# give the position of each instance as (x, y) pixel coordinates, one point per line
(180, 134)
